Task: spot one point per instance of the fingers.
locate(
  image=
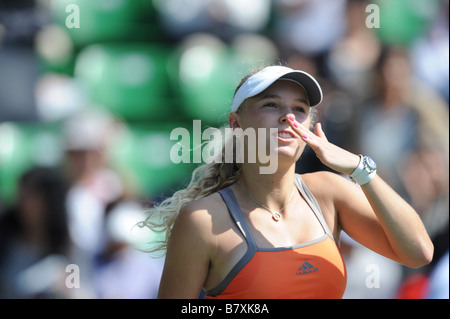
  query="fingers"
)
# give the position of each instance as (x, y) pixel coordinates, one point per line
(316, 140)
(295, 125)
(329, 154)
(319, 131)
(304, 132)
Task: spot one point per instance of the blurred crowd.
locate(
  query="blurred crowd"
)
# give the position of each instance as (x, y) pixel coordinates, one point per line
(90, 91)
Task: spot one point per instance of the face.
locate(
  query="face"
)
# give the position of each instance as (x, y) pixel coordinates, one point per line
(270, 109)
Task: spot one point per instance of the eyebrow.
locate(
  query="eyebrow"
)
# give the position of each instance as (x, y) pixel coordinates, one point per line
(274, 96)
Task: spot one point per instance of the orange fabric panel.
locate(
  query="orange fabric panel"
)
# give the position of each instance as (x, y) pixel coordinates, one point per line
(315, 271)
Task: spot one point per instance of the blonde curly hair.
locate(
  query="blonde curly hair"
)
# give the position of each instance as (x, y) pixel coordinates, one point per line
(206, 179)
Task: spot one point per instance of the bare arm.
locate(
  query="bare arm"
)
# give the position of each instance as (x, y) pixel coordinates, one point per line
(402, 225)
(375, 215)
(187, 260)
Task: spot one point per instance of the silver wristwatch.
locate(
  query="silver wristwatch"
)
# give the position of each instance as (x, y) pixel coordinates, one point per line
(365, 170)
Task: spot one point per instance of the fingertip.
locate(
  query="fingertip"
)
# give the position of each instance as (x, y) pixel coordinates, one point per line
(318, 130)
(319, 127)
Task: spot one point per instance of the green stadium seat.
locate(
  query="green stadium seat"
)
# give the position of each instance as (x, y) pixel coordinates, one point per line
(106, 20)
(142, 155)
(403, 21)
(206, 79)
(129, 80)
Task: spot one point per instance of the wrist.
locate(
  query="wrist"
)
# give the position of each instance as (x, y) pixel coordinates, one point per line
(365, 171)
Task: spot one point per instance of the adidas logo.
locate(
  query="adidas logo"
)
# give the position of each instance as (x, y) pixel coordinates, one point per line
(306, 268)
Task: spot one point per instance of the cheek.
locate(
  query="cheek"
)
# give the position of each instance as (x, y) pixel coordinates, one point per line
(254, 121)
(304, 119)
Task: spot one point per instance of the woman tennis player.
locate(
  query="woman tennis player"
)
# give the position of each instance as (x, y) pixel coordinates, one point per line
(237, 233)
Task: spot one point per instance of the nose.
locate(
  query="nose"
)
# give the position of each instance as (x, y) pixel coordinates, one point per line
(284, 117)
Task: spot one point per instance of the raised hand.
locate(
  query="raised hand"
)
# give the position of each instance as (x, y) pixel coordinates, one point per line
(329, 154)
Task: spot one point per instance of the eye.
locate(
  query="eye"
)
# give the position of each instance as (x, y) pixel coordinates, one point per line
(270, 105)
(300, 109)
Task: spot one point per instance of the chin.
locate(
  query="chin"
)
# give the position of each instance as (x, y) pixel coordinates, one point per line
(290, 153)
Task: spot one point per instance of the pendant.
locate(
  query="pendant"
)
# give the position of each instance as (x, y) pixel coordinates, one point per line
(276, 216)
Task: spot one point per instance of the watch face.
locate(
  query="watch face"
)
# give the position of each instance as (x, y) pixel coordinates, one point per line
(370, 163)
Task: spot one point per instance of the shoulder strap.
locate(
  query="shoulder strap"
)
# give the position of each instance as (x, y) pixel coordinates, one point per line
(236, 214)
(312, 202)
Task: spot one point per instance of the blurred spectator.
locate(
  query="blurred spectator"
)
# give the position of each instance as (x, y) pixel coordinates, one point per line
(122, 271)
(111, 266)
(311, 27)
(34, 227)
(387, 125)
(430, 54)
(92, 185)
(353, 57)
(405, 126)
(425, 176)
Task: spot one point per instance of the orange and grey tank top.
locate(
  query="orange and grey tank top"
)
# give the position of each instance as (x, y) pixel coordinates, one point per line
(314, 269)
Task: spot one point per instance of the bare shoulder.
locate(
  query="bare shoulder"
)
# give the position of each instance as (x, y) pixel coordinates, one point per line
(332, 187)
(203, 209)
(326, 183)
(332, 191)
(198, 216)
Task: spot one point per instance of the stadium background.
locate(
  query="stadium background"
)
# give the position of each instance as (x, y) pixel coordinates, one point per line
(95, 103)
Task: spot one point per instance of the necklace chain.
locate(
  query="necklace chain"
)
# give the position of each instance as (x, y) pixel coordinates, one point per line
(276, 215)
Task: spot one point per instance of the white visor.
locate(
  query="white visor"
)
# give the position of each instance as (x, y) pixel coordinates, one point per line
(267, 76)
